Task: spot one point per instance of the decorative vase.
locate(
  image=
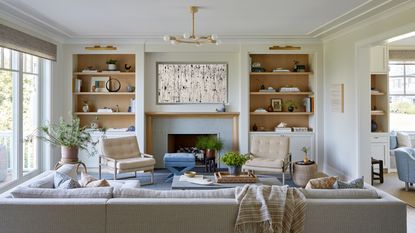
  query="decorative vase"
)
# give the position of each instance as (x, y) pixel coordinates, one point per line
(254, 127)
(234, 171)
(210, 154)
(291, 109)
(69, 154)
(112, 67)
(3, 163)
(85, 108)
(374, 126)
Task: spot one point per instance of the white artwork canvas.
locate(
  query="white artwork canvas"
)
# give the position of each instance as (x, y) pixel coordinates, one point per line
(179, 83)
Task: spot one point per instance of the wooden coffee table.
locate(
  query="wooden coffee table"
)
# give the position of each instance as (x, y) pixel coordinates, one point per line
(183, 185)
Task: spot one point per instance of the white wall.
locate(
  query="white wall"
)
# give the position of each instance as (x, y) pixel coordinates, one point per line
(230, 58)
(346, 60)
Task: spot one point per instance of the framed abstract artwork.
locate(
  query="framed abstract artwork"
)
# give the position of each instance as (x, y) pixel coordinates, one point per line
(192, 83)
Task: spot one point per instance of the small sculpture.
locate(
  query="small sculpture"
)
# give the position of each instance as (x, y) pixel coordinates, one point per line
(85, 107)
(282, 125)
(127, 67)
(130, 88)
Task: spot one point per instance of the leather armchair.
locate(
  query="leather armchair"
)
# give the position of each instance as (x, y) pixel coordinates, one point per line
(123, 155)
(269, 154)
(405, 164)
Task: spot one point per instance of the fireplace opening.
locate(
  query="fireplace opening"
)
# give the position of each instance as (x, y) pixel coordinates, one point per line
(186, 143)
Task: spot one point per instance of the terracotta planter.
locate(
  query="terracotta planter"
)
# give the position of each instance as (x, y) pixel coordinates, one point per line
(210, 154)
(69, 154)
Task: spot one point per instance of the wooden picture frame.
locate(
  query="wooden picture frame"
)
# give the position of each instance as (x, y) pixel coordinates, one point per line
(276, 104)
(200, 83)
(101, 82)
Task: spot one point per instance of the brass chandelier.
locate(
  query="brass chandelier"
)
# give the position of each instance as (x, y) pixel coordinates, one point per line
(192, 38)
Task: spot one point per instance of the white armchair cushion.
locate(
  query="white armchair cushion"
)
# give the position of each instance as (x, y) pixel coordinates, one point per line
(120, 148)
(263, 162)
(271, 147)
(131, 163)
(404, 140)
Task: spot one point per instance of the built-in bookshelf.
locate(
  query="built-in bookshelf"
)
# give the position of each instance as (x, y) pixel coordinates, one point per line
(90, 67)
(379, 101)
(285, 76)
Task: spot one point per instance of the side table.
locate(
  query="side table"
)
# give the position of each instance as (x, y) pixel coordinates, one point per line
(303, 172)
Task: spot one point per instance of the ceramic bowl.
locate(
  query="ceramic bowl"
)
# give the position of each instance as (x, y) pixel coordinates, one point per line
(190, 174)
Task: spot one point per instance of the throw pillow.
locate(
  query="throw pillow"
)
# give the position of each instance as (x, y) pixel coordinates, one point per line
(63, 181)
(322, 183)
(354, 184)
(44, 182)
(68, 169)
(404, 140)
(90, 181)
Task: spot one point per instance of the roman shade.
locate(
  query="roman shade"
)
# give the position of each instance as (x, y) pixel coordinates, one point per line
(16, 40)
(402, 55)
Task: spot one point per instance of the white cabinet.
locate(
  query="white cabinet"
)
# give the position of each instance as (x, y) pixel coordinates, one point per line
(379, 147)
(379, 60)
(297, 142)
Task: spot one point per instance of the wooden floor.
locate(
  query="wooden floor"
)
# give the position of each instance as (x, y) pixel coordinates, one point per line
(410, 219)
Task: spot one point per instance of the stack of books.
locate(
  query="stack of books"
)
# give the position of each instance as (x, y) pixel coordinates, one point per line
(282, 130)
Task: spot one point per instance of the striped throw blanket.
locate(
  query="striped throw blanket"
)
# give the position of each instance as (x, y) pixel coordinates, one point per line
(270, 209)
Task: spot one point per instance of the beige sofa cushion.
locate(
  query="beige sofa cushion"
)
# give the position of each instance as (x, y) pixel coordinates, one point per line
(147, 193)
(340, 193)
(131, 163)
(322, 183)
(272, 147)
(404, 140)
(263, 162)
(47, 181)
(120, 148)
(26, 192)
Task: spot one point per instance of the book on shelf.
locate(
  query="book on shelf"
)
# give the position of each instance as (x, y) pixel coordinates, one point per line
(289, 89)
(283, 129)
(89, 71)
(104, 110)
(300, 129)
(112, 71)
(267, 90)
(78, 85)
(308, 104)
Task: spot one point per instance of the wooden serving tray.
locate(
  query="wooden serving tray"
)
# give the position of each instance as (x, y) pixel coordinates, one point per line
(245, 177)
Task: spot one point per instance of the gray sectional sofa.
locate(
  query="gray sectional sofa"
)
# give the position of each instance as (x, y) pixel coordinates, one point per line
(132, 210)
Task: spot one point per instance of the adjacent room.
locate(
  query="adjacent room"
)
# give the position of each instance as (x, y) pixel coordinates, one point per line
(148, 116)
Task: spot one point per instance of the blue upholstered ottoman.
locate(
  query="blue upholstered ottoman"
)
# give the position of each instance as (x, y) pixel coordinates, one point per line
(178, 163)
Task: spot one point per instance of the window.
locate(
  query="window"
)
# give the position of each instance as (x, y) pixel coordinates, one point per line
(402, 95)
(20, 78)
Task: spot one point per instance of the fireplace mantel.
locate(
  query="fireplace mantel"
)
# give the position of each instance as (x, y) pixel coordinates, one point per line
(208, 115)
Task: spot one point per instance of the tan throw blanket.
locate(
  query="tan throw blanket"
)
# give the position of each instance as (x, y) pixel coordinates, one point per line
(270, 209)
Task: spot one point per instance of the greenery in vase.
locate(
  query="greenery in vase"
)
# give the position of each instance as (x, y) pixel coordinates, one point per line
(290, 104)
(111, 61)
(234, 159)
(305, 150)
(69, 134)
(209, 142)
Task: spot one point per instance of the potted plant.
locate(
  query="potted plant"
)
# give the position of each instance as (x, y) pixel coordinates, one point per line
(111, 64)
(234, 160)
(210, 145)
(70, 136)
(291, 105)
(305, 150)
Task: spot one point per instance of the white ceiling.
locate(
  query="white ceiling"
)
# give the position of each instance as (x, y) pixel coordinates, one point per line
(154, 18)
(405, 42)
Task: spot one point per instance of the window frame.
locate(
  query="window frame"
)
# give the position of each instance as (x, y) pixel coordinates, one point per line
(404, 76)
(44, 71)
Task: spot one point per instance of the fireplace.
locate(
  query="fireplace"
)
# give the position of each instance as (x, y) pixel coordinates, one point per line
(186, 143)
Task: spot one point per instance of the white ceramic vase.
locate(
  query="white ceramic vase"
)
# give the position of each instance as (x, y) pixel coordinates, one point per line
(112, 66)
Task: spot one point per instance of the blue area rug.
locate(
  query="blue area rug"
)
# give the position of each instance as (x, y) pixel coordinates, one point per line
(160, 176)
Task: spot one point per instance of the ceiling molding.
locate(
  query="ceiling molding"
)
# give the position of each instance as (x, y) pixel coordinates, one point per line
(16, 12)
(361, 12)
(395, 9)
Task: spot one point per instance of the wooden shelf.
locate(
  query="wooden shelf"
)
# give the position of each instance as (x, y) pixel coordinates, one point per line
(104, 93)
(280, 113)
(105, 113)
(279, 73)
(281, 93)
(377, 113)
(104, 73)
(378, 94)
